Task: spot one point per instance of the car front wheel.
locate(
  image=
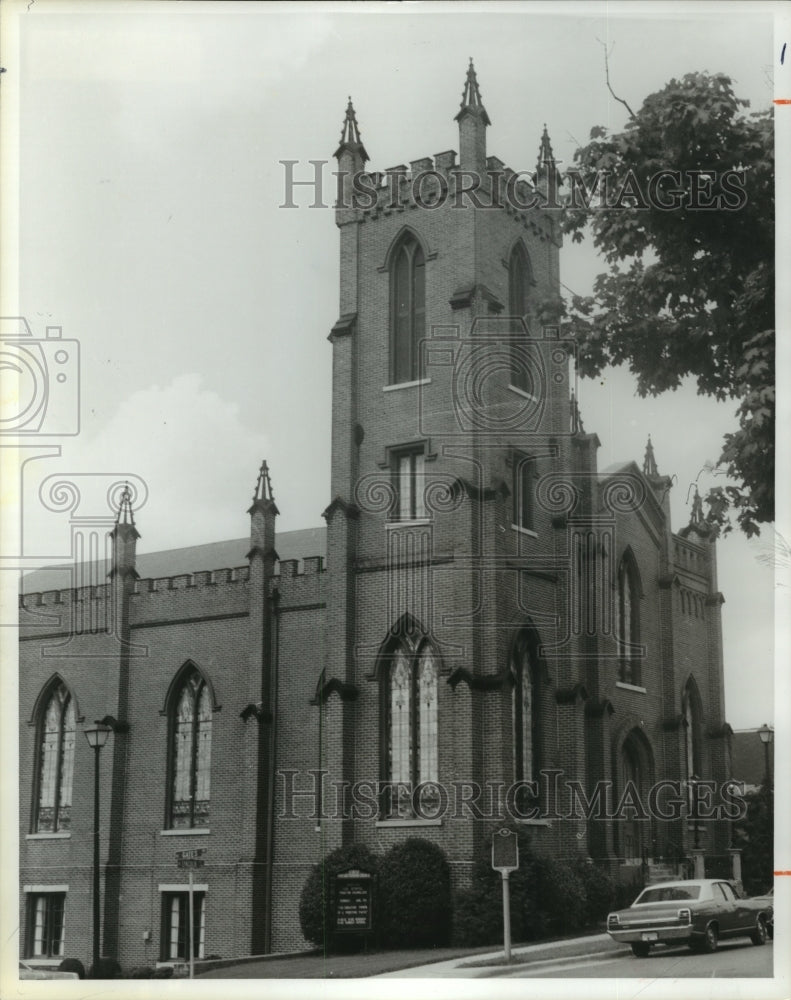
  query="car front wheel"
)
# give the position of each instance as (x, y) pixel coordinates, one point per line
(640, 949)
(758, 936)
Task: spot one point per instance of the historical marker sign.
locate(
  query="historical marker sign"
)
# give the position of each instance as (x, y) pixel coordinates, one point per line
(353, 900)
(505, 851)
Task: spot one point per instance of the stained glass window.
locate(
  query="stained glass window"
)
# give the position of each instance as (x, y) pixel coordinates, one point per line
(56, 766)
(191, 761)
(627, 623)
(525, 711)
(412, 723)
(519, 281)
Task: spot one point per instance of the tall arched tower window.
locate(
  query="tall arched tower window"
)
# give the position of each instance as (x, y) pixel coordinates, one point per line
(190, 751)
(525, 708)
(692, 730)
(519, 282)
(628, 621)
(410, 724)
(407, 309)
(56, 733)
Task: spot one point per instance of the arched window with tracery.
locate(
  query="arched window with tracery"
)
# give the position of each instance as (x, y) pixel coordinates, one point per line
(190, 751)
(628, 621)
(525, 704)
(410, 724)
(520, 280)
(56, 728)
(407, 309)
(692, 714)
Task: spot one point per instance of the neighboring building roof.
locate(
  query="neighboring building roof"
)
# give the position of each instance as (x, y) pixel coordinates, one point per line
(748, 763)
(192, 559)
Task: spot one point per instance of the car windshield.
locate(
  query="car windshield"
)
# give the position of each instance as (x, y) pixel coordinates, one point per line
(668, 893)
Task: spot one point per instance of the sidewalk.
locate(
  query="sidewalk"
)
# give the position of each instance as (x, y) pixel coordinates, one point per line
(414, 963)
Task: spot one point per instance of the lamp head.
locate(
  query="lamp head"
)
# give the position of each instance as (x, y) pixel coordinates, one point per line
(766, 734)
(97, 734)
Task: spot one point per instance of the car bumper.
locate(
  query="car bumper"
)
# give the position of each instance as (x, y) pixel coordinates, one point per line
(652, 935)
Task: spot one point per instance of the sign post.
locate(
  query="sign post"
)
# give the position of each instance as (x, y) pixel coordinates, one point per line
(505, 859)
(191, 860)
(192, 928)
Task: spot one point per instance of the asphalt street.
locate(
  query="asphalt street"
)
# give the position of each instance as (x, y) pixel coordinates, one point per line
(732, 960)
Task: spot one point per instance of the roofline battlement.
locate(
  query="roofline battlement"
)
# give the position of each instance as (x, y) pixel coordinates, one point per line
(431, 182)
(288, 568)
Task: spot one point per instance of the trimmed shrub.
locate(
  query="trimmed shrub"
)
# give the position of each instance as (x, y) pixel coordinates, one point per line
(315, 904)
(163, 972)
(142, 972)
(72, 965)
(105, 968)
(554, 903)
(599, 892)
(547, 898)
(416, 909)
(626, 892)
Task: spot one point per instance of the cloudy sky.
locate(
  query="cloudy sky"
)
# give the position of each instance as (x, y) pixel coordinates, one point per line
(150, 229)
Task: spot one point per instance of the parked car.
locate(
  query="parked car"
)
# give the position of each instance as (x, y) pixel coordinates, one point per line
(27, 972)
(697, 912)
(768, 899)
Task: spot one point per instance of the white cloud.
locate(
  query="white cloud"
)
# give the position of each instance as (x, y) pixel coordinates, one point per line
(198, 460)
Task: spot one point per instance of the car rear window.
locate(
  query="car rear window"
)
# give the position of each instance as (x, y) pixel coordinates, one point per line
(668, 893)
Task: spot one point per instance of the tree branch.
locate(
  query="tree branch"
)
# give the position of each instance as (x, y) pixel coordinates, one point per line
(607, 77)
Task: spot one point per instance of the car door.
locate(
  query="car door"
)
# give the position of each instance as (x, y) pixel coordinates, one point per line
(730, 919)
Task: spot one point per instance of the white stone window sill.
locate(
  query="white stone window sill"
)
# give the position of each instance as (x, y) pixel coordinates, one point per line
(65, 835)
(43, 963)
(522, 393)
(406, 385)
(187, 831)
(533, 822)
(418, 522)
(524, 531)
(382, 823)
(631, 687)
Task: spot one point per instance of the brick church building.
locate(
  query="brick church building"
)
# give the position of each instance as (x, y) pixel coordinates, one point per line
(489, 627)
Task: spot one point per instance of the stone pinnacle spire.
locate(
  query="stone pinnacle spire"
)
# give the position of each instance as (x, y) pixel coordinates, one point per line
(350, 134)
(471, 100)
(649, 462)
(125, 513)
(545, 154)
(263, 488)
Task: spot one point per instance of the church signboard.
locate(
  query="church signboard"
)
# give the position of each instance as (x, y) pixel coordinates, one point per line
(353, 901)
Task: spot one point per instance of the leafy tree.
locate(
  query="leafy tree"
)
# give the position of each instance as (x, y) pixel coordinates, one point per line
(690, 289)
(755, 836)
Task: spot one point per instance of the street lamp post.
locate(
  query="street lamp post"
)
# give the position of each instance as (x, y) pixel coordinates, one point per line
(696, 830)
(96, 737)
(766, 735)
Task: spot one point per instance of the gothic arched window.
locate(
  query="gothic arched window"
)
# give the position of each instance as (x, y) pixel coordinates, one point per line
(407, 309)
(628, 621)
(190, 713)
(56, 733)
(519, 282)
(525, 708)
(692, 730)
(410, 725)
